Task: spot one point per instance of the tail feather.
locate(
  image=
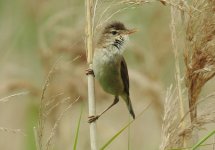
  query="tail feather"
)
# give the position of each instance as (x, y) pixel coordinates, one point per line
(129, 105)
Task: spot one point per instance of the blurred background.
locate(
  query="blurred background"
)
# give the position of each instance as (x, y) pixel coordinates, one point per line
(36, 36)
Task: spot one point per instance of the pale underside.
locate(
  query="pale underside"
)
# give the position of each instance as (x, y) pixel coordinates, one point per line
(106, 66)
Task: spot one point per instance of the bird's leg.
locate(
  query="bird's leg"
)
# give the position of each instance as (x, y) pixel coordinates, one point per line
(94, 118)
(89, 71)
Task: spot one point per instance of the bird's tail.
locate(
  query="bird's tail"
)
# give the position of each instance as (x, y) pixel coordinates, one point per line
(127, 100)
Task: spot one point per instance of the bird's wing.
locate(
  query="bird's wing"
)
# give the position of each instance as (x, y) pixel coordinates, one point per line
(124, 75)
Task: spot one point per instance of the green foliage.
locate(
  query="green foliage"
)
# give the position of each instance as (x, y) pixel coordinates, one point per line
(116, 135)
(32, 117)
(203, 140)
(123, 129)
(77, 129)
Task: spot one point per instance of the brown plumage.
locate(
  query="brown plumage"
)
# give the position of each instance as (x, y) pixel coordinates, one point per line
(115, 26)
(109, 65)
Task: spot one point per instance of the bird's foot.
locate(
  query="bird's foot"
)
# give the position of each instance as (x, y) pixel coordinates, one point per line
(93, 118)
(89, 71)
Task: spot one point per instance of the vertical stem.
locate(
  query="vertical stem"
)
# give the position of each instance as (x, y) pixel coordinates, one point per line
(36, 138)
(91, 88)
(177, 65)
(89, 31)
(92, 110)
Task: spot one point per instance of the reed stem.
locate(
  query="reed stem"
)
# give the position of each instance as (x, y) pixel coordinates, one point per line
(90, 77)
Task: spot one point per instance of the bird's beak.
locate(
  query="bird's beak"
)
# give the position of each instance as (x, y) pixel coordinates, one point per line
(130, 31)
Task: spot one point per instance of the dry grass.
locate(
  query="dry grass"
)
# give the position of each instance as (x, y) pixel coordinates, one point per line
(60, 33)
(42, 110)
(13, 131)
(199, 54)
(46, 107)
(8, 98)
(199, 60)
(170, 130)
(54, 128)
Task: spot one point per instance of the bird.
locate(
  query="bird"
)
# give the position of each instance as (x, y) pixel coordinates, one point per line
(109, 65)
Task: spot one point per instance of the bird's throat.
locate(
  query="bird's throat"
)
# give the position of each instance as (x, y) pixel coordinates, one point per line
(118, 44)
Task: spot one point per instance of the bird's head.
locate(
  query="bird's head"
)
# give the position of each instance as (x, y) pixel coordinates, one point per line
(115, 34)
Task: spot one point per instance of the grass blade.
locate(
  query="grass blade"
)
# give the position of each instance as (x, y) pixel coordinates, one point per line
(203, 140)
(116, 135)
(120, 131)
(77, 129)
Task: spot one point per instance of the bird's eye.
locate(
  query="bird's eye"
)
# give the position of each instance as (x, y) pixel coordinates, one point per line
(114, 32)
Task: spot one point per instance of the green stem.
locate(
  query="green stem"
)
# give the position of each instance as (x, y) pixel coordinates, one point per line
(203, 140)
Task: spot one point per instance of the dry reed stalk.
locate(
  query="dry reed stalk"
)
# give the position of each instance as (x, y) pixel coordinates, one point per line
(54, 128)
(46, 108)
(52, 99)
(48, 55)
(212, 95)
(49, 110)
(205, 117)
(14, 131)
(113, 14)
(7, 98)
(174, 14)
(176, 54)
(180, 6)
(170, 130)
(89, 30)
(90, 77)
(41, 122)
(200, 47)
(199, 55)
(104, 12)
